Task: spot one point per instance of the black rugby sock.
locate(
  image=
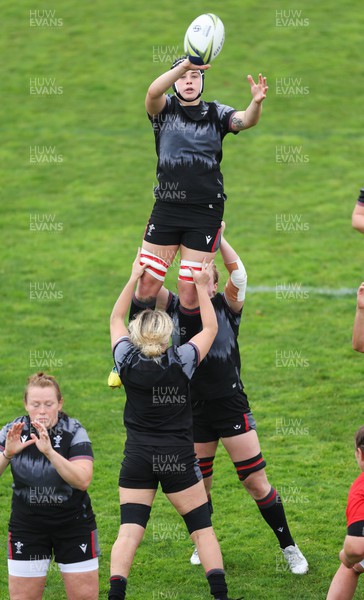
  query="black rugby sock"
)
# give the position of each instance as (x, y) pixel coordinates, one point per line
(117, 587)
(217, 583)
(189, 322)
(272, 511)
(136, 306)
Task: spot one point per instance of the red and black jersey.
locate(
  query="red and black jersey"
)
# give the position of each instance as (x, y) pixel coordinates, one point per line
(355, 505)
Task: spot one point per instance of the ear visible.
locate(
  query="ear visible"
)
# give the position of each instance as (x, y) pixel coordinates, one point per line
(359, 454)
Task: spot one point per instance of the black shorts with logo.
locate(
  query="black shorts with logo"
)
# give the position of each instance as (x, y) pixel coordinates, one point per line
(221, 417)
(144, 467)
(72, 543)
(195, 226)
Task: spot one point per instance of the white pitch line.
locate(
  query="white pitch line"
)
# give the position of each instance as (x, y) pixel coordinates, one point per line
(294, 288)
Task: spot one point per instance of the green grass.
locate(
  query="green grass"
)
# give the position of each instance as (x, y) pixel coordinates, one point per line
(104, 56)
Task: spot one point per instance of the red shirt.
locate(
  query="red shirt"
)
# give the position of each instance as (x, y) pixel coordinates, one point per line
(355, 506)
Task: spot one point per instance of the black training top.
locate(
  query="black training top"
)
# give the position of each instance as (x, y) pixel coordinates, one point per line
(39, 492)
(189, 149)
(158, 407)
(218, 375)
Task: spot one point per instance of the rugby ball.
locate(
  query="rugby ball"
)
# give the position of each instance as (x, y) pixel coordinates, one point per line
(204, 39)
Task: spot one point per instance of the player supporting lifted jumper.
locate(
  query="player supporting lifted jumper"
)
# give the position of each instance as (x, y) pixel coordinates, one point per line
(221, 409)
(189, 196)
(51, 462)
(159, 430)
(344, 583)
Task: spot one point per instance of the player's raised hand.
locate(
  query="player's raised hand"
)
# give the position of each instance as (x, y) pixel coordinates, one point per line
(259, 90)
(360, 296)
(203, 277)
(190, 66)
(138, 269)
(13, 444)
(42, 441)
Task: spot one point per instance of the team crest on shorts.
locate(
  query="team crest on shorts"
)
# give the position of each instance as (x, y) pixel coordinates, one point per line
(18, 546)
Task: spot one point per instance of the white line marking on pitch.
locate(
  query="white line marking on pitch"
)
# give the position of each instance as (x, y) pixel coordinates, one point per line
(264, 289)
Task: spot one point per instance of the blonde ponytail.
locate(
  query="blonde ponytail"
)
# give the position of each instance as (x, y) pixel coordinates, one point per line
(150, 332)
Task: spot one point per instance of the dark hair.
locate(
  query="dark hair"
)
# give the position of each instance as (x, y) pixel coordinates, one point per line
(42, 380)
(359, 438)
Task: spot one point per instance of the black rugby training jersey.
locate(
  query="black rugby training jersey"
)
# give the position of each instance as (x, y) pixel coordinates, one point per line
(218, 375)
(39, 492)
(158, 407)
(189, 149)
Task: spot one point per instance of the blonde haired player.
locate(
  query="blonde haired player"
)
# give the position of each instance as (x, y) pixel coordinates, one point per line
(158, 421)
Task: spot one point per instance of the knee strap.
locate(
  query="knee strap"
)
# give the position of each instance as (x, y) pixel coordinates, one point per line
(206, 465)
(157, 267)
(245, 467)
(134, 513)
(198, 518)
(184, 270)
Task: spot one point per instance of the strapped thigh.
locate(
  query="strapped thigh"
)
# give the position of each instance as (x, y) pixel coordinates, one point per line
(157, 267)
(184, 270)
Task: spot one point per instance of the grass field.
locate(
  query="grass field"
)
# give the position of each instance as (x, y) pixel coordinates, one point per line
(77, 169)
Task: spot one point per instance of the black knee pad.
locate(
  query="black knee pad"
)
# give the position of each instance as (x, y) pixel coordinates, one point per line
(198, 518)
(134, 513)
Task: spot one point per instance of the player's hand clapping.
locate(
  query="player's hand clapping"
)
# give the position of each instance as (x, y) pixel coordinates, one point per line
(13, 444)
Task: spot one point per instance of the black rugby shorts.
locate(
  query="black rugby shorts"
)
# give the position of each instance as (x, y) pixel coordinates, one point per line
(221, 417)
(144, 467)
(195, 226)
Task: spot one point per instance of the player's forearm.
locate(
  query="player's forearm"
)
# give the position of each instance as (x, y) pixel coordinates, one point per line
(358, 330)
(252, 114)
(207, 311)
(349, 558)
(227, 252)
(72, 473)
(122, 304)
(164, 82)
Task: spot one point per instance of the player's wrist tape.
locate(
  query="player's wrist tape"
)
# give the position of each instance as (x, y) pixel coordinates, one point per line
(238, 279)
(157, 267)
(185, 270)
